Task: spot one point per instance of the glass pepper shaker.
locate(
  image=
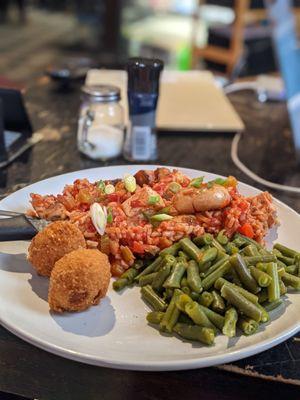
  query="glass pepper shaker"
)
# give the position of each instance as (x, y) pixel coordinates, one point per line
(143, 91)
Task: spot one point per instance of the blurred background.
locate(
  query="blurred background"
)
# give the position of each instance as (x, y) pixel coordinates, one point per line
(186, 34)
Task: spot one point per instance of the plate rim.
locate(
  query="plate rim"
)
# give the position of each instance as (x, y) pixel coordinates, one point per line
(171, 365)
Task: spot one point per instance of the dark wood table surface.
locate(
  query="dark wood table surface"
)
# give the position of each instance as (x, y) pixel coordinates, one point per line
(266, 147)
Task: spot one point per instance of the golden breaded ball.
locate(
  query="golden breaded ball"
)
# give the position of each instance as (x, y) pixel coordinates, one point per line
(79, 280)
(52, 243)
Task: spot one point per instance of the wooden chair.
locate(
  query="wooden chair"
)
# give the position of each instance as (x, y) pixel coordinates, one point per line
(220, 55)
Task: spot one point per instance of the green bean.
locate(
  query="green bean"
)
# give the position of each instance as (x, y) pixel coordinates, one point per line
(217, 319)
(240, 302)
(262, 278)
(208, 255)
(291, 280)
(186, 290)
(221, 254)
(182, 254)
(235, 278)
(239, 242)
(263, 296)
(264, 252)
(151, 268)
(185, 319)
(280, 267)
(286, 251)
(222, 238)
(172, 250)
(265, 317)
(291, 269)
(152, 298)
(193, 277)
(273, 288)
(231, 248)
(191, 249)
(251, 250)
(217, 245)
(197, 315)
(195, 332)
(243, 273)
(154, 317)
(203, 268)
(247, 240)
(130, 274)
(195, 296)
(216, 265)
(182, 301)
(249, 296)
(271, 306)
(147, 279)
(218, 273)
(282, 288)
(205, 299)
(174, 279)
(203, 240)
(297, 263)
(161, 276)
(218, 304)
(247, 325)
(257, 259)
(172, 313)
(120, 284)
(184, 282)
(286, 260)
(231, 317)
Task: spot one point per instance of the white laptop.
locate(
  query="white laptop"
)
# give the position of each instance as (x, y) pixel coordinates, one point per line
(188, 101)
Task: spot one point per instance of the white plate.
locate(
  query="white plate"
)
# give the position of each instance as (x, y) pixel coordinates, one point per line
(115, 333)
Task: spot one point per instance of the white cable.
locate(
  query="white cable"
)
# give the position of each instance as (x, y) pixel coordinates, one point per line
(235, 144)
(251, 174)
(235, 87)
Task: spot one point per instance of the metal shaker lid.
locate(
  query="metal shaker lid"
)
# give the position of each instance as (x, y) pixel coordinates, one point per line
(143, 74)
(102, 93)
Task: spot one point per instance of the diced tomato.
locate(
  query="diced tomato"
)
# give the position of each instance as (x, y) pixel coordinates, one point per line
(247, 230)
(113, 197)
(243, 205)
(136, 203)
(164, 242)
(84, 207)
(138, 247)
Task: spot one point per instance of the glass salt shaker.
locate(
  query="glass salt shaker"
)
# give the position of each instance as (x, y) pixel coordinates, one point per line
(100, 133)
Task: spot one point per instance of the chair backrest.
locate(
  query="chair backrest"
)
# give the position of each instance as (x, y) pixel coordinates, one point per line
(228, 56)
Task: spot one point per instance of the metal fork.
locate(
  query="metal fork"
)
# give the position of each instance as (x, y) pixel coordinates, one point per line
(18, 226)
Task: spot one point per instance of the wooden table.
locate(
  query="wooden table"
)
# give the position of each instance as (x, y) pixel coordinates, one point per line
(266, 147)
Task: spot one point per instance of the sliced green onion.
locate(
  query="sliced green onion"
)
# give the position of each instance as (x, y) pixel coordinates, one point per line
(165, 210)
(197, 182)
(110, 217)
(153, 199)
(220, 181)
(130, 183)
(161, 217)
(99, 217)
(174, 187)
(109, 189)
(101, 185)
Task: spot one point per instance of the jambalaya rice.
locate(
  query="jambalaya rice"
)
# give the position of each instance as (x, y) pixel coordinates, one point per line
(130, 233)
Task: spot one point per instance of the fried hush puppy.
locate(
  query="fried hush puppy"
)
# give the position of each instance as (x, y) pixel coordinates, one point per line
(52, 243)
(79, 280)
